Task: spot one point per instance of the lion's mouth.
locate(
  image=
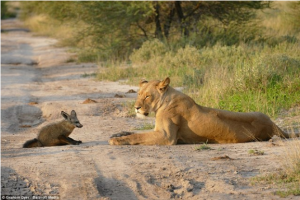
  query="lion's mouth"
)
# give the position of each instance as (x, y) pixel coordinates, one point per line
(143, 113)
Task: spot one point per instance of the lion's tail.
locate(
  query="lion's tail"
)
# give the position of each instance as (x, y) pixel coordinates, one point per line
(283, 134)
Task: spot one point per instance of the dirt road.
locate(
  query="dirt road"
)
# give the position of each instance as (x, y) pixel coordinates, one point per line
(38, 82)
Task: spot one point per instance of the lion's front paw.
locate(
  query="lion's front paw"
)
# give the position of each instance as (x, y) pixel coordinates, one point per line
(123, 133)
(113, 141)
(119, 141)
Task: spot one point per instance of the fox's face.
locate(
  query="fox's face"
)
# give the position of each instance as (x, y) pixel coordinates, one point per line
(72, 118)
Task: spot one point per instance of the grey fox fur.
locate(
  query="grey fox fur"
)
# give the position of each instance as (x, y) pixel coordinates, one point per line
(57, 133)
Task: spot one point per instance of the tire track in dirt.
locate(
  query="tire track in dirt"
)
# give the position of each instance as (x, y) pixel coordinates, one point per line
(55, 170)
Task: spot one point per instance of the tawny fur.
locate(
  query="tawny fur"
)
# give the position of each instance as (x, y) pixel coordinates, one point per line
(56, 133)
(180, 120)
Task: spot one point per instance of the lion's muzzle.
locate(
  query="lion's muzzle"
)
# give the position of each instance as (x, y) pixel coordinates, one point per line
(138, 111)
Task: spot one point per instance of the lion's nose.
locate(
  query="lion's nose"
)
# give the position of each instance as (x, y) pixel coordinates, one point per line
(137, 107)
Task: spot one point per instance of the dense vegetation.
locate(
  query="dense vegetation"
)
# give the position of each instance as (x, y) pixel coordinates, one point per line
(240, 56)
(113, 29)
(8, 12)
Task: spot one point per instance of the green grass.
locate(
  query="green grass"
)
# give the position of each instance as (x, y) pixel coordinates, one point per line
(128, 106)
(202, 147)
(238, 78)
(145, 126)
(9, 9)
(292, 191)
(255, 152)
(261, 74)
(115, 73)
(288, 178)
(86, 75)
(288, 182)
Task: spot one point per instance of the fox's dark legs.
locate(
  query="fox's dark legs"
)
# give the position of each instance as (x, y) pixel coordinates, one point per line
(74, 141)
(67, 140)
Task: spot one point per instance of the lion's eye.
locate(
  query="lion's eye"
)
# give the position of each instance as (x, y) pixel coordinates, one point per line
(147, 97)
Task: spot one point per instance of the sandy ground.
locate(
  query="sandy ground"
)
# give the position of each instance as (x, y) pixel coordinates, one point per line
(37, 83)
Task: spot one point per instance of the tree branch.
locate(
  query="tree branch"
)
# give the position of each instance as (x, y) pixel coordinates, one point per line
(144, 31)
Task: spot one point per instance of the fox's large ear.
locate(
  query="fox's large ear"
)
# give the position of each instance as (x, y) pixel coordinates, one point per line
(65, 115)
(163, 85)
(142, 82)
(73, 113)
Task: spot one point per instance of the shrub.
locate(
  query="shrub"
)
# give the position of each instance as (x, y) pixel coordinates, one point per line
(149, 50)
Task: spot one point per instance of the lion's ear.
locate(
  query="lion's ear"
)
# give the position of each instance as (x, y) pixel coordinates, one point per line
(142, 82)
(163, 85)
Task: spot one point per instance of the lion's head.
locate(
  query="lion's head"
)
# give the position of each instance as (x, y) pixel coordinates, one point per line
(149, 96)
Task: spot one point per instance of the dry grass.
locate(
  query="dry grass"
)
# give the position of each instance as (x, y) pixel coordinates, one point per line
(43, 25)
(287, 181)
(280, 21)
(243, 78)
(292, 157)
(68, 34)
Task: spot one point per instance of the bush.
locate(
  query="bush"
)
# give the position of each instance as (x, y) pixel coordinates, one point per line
(8, 10)
(149, 50)
(237, 78)
(224, 64)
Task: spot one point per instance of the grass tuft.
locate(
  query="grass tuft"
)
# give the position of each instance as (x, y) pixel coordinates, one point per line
(145, 126)
(255, 152)
(237, 78)
(288, 179)
(128, 106)
(202, 147)
(86, 75)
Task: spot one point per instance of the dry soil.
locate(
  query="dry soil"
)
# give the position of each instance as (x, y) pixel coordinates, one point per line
(38, 81)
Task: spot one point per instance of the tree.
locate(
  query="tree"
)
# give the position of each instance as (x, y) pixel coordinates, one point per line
(189, 14)
(118, 27)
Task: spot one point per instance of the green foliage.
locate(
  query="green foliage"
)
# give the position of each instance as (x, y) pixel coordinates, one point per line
(3, 9)
(293, 191)
(85, 75)
(114, 29)
(149, 50)
(108, 30)
(202, 147)
(129, 108)
(8, 11)
(242, 78)
(255, 152)
(145, 126)
(288, 181)
(180, 64)
(88, 56)
(226, 55)
(115, 73)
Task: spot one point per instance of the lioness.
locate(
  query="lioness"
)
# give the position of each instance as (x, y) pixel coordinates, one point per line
(180, 120)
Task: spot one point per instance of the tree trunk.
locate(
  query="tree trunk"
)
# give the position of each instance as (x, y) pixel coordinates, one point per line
(158, 31)
(181, 18)
(169, 19)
